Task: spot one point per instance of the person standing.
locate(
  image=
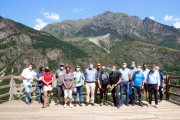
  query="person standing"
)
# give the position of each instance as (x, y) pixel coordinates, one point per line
(161, 84)
(103, 81)
(39, 82)
(90, 77)
(68, 79)
(114, 80)
(27, 75)
(125, 77)
(59, 76)
(145, 70)
(78, 84)
(138, 84)
(153, 83)
(47, 78)
(131, 90)
(97, 85)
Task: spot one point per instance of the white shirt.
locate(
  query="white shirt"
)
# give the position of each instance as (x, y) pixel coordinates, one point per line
(153, 78)
(146, 73)
(28, 74)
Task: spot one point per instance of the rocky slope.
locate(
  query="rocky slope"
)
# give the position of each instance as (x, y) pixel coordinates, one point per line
(120, 26)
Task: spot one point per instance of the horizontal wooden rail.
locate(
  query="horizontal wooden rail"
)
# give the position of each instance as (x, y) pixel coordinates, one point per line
(5, 77)
(175, 86)
(4, 95)
(174, 77)
(4, 86)
(174, 94)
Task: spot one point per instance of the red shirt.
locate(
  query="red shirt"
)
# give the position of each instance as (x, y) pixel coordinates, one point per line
(47, 77)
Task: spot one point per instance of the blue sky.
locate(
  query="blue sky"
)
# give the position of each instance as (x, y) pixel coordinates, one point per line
(38, 13)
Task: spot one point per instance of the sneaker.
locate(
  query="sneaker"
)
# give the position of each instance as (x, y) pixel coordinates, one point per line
(44, 106)
(48, 105)
(92, 104)
(133, 104)
(156, 106)
(57, 103)
(101, 104)
(127, 104)
(106, 104)
(148, 105)
(64, 105)
(80, 104)
(121, 104)
(87, 104)
(75, 104)
(118, 106)
(71, 105)
(112, 105)
(141, 104)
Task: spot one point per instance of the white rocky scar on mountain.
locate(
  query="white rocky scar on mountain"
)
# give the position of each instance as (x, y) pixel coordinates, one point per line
(105, 39)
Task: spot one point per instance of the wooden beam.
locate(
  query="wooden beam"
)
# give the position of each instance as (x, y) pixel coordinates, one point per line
(167, 87)
(174, 94)
(18, 77)
(11, 90)
(4, 95)
(175, 86)
(4, 86)
(174, 77)
(5, 77)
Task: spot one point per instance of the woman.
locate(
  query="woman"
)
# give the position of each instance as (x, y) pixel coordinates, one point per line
(47, 78)
(68, 85)
(78, 84)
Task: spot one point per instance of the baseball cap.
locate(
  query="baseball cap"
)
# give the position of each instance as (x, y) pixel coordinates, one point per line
(62, 64)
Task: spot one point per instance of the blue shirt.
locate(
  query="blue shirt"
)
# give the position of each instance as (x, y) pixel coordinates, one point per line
(161, 78)
(90, 75)
(138, 78)
(38, 75)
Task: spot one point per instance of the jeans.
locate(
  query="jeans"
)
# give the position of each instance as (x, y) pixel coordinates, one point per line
(126, 84)
(28, 92)
(150, 88)
(137, 90)
(103, 93)
(39, 88)
(161, 93)
(79, 90)
(114, 91)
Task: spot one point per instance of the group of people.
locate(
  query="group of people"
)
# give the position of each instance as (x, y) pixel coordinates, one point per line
(131, 81)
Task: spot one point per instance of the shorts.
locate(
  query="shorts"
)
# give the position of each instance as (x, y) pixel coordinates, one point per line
(145, 88)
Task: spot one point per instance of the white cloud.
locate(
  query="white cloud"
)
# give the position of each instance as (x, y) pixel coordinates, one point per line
(177, 25)
(171, 18)
(77, 10)
(152, 17)
(40, 24)
(53, 16)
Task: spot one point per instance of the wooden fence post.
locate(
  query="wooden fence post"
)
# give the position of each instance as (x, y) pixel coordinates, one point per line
(167, 87)
(11, 90)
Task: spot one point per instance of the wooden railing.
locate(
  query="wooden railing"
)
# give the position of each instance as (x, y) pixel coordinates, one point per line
(168, 86)
(12, 85)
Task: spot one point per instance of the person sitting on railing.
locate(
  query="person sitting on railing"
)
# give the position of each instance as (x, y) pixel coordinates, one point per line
(39, 82)
(68, 79)
(153, 82)
(47, 78)
(27, 76)
(161, 84)
(78, 84)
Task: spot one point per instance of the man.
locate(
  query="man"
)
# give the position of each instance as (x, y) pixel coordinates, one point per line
(59, 76)
(131, 90)
(153, 83)
(161, 84)
(27, 76)
(114, 80)
(39, 82)
(103, 81)
(125, 77)
(146, 72)
(90, 77)
(97, 85)
(138, 84)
